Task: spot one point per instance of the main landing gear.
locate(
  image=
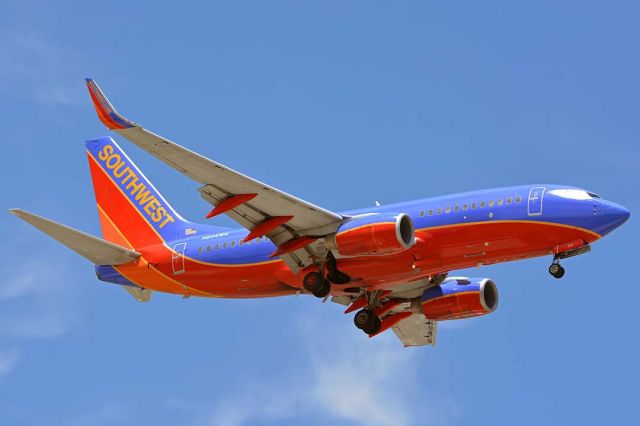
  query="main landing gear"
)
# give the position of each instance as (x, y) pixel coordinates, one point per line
(367, 321)
(316, 284)
(556, 270)
(319, 285)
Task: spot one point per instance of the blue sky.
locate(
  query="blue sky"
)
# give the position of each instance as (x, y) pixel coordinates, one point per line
(341, 103)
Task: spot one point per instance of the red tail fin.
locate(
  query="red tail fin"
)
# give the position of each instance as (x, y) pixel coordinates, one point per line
(132, 212)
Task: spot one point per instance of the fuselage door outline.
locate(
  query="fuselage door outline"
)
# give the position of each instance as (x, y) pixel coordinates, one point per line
(534, 205)
(177, 258)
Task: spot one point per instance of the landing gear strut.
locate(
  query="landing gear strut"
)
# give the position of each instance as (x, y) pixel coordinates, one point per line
(335, 275)
(556, 270)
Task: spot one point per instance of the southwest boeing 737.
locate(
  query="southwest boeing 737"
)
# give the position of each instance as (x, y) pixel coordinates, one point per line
(389, 263)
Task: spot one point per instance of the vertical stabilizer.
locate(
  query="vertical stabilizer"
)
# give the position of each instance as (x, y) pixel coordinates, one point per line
(132, 212)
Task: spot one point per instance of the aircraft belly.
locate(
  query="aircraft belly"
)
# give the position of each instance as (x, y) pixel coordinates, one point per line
(487, 243)
(232, 281)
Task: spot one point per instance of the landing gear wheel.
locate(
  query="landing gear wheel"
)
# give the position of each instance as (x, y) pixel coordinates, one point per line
(363, 317)
(311, 281)
(375, 327)
(556, 270)
(367, 321)
(315, 284)
(322, 290)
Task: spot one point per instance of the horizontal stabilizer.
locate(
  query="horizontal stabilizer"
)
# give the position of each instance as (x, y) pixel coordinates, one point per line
(95, 249)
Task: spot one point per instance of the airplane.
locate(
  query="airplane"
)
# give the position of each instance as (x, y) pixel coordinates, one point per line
(388, 263)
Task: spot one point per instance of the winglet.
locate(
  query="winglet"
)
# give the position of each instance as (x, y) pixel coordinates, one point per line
(106, 112)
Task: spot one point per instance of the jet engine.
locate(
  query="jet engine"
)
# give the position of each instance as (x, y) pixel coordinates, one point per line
(373, 235)
(458, 298)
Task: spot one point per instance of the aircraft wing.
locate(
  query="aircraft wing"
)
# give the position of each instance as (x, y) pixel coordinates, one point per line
(95, 249)
(291, 223)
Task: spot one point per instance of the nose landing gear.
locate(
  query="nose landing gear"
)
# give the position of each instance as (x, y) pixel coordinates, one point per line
(556, 270)
(563, 251)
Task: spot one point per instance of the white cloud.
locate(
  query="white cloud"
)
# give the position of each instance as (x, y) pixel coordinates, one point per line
(365, 381)
(34, 301)
(8, 361)
(19, 286)
(345, 377)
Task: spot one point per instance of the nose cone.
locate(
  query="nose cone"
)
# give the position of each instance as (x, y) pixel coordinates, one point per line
(614, 214)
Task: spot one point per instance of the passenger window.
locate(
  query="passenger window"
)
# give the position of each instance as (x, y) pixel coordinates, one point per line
(421, 213)
(233, 243)
(240, 242)
(217, 247)
(456, 208)
(491, 203)
(473, 205)
(199, 249)
(500, 202)
(430, 212)
(439, 211)
(448, 209)
(465, 207)
(509, 200)
(482, 204)
(518, 199)
(257, 240)
(224, 245)
(208, 248)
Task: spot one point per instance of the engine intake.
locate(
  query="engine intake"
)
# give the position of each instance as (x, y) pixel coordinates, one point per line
(373, 235)
(458, 298)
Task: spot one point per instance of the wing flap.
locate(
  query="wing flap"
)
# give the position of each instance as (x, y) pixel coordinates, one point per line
(416, 330)
(95, 249)
(142, 295)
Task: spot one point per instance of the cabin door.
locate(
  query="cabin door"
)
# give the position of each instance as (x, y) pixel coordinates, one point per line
(177, 258)
(535, 200)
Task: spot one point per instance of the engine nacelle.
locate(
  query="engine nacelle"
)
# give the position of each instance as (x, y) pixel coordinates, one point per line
(458, 298)
(373, 235)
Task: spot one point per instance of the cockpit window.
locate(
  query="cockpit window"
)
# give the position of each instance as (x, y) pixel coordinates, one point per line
(574, 194)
